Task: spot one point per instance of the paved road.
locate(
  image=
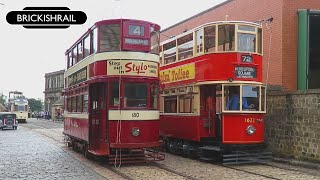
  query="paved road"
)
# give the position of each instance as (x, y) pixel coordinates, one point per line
(43, 155)
(26, 155)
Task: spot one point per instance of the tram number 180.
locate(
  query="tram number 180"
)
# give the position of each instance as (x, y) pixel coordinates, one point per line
(135, 114)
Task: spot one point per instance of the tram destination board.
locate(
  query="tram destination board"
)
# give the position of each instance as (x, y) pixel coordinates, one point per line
(245, 72)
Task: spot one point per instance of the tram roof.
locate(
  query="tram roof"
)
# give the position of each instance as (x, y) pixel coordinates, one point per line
(103, 22)
(210, 23)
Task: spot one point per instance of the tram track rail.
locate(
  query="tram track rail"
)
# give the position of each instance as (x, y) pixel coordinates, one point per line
(247, 171)
(164, 167)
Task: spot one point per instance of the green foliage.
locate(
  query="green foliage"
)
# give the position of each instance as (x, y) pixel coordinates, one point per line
(35, 105)
(2, 99)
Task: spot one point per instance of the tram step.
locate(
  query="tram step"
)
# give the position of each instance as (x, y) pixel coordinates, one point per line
(211, 148)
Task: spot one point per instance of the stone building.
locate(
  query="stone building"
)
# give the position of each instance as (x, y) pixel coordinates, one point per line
(295, 25)
(54, 84)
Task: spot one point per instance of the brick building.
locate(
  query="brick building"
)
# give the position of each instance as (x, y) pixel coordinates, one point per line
(54, 84)
(287, 65)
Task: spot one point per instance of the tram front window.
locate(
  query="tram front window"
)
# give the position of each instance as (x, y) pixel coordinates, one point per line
(246, 42)
(250, 97)
(135, 95)
(252, 94)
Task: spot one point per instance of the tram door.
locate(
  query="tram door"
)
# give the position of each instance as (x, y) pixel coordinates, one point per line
(207, 109)
(97, 113)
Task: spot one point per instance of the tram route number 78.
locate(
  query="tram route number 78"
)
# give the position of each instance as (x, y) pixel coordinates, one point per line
(135, 115)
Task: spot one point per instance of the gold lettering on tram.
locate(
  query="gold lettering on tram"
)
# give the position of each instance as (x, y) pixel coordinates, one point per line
(249, 120)
(179, 73)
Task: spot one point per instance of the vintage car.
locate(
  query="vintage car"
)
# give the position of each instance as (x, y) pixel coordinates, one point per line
(8, 120)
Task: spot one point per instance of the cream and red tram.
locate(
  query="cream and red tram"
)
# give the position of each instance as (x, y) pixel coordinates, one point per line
(199, 70)
(112, 91)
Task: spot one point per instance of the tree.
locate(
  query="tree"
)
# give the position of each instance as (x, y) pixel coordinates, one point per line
(35, 105)
(2, 99)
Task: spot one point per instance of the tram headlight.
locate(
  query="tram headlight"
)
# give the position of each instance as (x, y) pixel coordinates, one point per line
(251, 130)
(135, 131)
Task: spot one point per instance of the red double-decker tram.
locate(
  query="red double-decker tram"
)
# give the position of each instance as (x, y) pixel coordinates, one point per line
(112, 91)
(206, 73)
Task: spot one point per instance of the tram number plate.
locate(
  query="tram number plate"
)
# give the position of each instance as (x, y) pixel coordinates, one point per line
(245, 72)
(135, 115)
(246, 58)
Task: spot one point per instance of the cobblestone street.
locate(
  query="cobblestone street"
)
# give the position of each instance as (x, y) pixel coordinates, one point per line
(36, 151)
(26, 155)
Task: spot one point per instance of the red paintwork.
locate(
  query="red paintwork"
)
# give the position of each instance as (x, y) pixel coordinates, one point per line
(149, 134)
(76, 128)
(122, 22)
(214, 67)
(217, 67)
(98, 68)
(234, 129)
(183, 127)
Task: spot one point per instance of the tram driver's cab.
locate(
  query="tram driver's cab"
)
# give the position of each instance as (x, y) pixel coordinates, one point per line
(252, 98)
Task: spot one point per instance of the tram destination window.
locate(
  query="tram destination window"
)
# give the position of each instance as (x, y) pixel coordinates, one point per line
(135, 95)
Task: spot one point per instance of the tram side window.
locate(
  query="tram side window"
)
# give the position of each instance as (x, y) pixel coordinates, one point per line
(154, 41)
(80, 53)
(94, 41)
(86, 46)
(199, 43)
(85, 103)
(135, 95)
(73, 104)
(260, 40)
(114, 94)
(74, 56)
(263, 98)
(79, 103)
(154, 96)
(210, 39)
(170, 104)
(226, 37)
(169, 51)
(109, 37)
(69, 104)
(186, 103)
(185, 46)
(161, 55)
(70, 60)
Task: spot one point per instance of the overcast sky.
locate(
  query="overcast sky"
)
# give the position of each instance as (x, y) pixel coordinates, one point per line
(27, 54)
